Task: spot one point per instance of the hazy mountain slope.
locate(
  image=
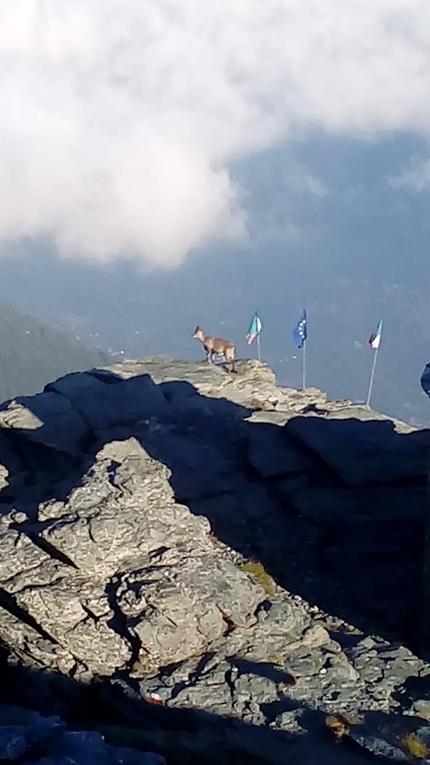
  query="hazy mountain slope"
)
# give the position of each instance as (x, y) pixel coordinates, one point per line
(330, 228)
(32, 354)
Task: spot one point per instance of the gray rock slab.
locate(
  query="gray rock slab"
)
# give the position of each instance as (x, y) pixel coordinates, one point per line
(276, 417)
(280, 630)
(340, 507)
(197, 467)
(209, 692)
(47, 419)
(47, 741)
(62, 611)
(104, 405)
(366, 450)
(296, 400)
(31, 647)
(18, 554)
(305, 662)
(205, 624)
(11, 465)
(180, 605)
(393, 738)
(123, 508)
(163, 369)
(273, 454)
(252, 384)
(256, 688)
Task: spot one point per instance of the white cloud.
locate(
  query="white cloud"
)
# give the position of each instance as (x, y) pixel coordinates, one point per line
(118, 121)
(416, 177)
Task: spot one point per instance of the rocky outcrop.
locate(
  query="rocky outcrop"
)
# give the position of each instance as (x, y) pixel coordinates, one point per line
(27, 737)
(208, 552)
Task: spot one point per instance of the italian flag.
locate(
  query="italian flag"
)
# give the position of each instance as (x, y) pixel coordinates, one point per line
(254, 328)
(375, 338)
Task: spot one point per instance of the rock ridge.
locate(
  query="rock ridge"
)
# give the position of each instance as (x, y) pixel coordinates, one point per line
(214, 552)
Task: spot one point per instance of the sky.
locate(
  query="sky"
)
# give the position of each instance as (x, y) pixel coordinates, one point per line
(121, 122)
(171, 163)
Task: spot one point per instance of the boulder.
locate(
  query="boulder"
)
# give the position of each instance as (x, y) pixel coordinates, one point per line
(179, 607)
(46, 419)
(103, 406)
(28, 737)
(123, 509)
(364, 448)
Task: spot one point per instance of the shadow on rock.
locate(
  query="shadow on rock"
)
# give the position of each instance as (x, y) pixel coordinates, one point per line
(119, 725)
(333, 509)
(300, 526)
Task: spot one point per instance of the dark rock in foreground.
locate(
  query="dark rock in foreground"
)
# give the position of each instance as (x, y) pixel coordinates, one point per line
(27, 737)
(227, 568)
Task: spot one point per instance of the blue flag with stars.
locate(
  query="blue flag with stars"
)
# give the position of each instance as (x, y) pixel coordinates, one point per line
(300, 331)
(425, 380)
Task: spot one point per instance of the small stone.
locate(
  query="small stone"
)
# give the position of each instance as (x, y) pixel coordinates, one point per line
(305, 662)
(421, 707)
(290, 722)
(18, 516)
(316, 635)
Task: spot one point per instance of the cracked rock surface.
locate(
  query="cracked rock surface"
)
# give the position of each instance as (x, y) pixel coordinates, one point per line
(211, 568)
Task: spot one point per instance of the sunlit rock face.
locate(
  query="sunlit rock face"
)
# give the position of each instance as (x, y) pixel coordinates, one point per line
(206, 542)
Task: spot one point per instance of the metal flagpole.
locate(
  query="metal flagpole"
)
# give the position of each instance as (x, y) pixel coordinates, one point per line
(425, 613)
(258, 347)
(304, 365)
(425, 604)
(372, 375)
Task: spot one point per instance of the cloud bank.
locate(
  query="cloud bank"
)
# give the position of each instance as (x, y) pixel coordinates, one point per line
(119, 121)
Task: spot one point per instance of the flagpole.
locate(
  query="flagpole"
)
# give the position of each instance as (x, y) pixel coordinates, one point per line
(304, 365)
(258, 347)
(300, 333)
(372, 376)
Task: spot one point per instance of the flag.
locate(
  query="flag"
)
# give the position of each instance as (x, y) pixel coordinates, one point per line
(425, 380)
(375, 338)
(300, 331)
(254, 328)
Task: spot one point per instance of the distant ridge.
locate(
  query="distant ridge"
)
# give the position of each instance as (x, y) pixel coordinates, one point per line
(33, 353)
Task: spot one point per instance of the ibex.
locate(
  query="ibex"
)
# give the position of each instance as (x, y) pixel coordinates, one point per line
(215, 345)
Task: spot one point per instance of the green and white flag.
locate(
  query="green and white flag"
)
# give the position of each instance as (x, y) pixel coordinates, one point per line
(375, 338)
(254, 328)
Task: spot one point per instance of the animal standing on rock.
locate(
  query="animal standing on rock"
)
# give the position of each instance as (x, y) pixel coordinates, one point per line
(212, 345)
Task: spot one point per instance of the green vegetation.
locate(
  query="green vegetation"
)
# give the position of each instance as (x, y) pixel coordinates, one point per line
(415, 746)
(259, 573)
(31, 354)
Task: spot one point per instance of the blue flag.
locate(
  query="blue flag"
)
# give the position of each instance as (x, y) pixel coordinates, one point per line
(300, 331)
(425, 380)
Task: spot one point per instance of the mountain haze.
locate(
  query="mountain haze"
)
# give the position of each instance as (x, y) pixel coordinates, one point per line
(33, 353)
